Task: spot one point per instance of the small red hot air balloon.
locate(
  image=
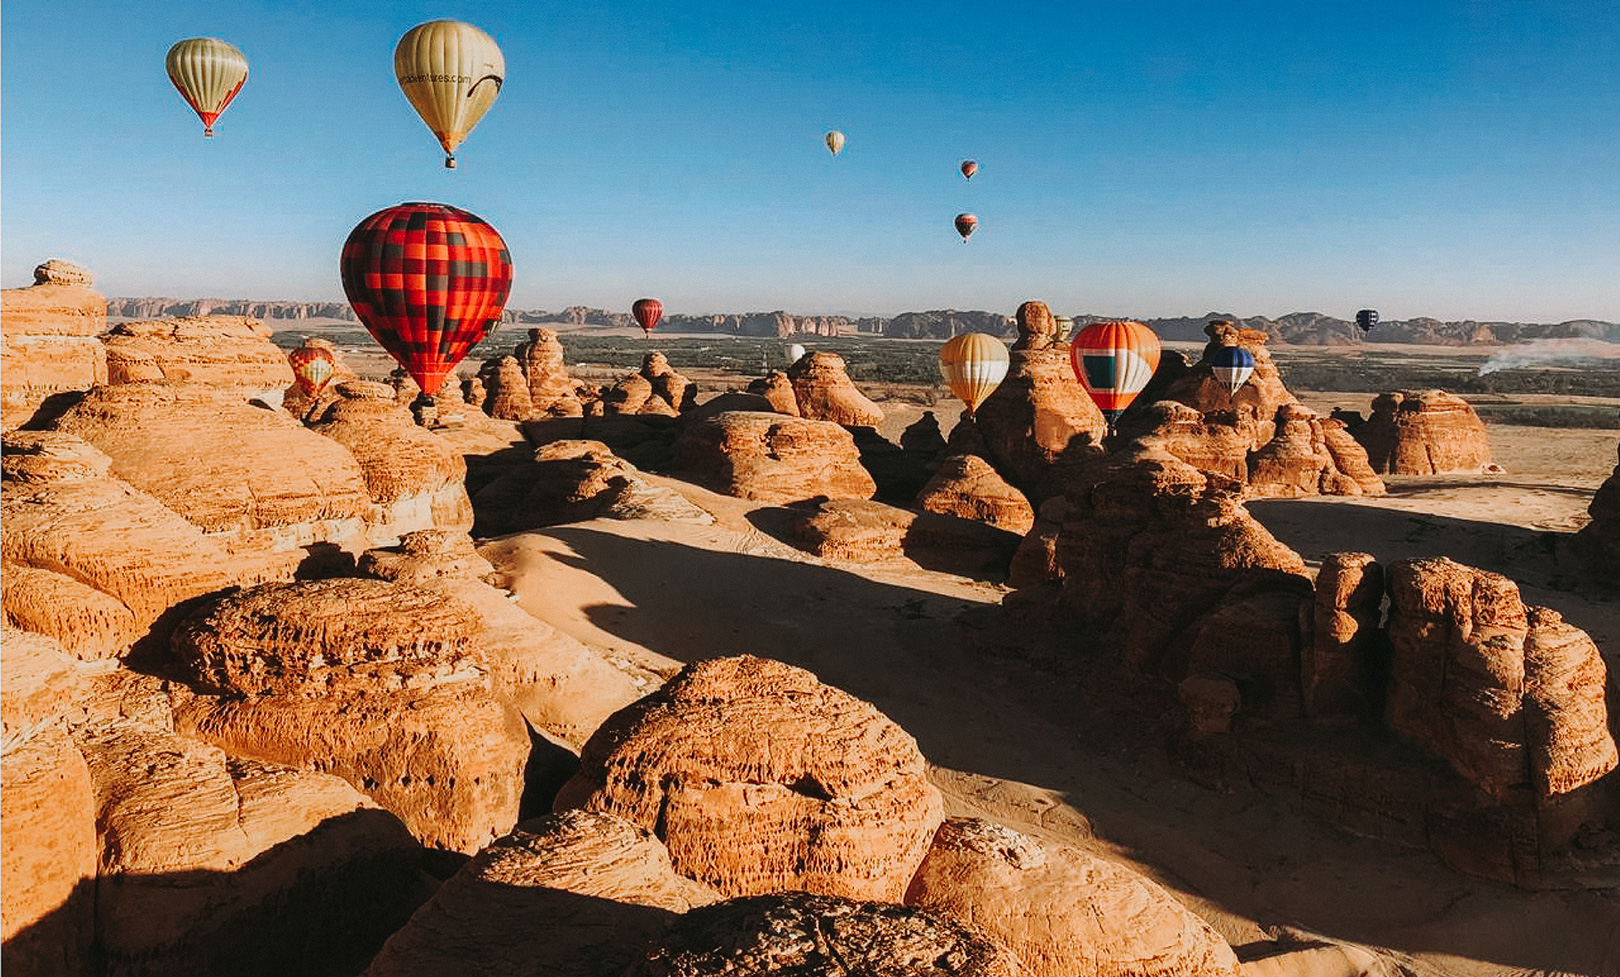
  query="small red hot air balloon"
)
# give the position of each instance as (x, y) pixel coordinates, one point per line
(969, 167)
(429, 281)
(312, 367)
(966, 224)
(647, 313)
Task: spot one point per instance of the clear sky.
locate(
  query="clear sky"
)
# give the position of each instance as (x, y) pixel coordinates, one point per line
(1457, 159)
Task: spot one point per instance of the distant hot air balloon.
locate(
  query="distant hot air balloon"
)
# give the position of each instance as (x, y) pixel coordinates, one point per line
(647, 313)
(429, 281)
(451, 72)
(1232, 365)
(1114, 360)
(795, 353)
(835, 142)
(969, 167)
(208, 72)
(966, 224)
(1366, 319)
(312, 367)
(974, 365)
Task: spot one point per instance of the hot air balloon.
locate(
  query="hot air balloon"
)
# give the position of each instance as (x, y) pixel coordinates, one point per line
(1366, 319)
(835, 142)
(312, 367)
(208, 72)
(795, 353)
(969, 167)
(966, 224)
(1114, 360)
(451, 72)
(1232, 365)
(429, 281)
(974, 365)
(647, 313)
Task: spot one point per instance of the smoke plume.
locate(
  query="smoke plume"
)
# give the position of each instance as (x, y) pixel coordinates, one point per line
(1550, 352)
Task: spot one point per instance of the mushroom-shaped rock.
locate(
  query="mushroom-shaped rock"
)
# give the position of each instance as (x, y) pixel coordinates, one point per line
(1061, 911)
(231, 352)
(759, 778)
(778, 389)
(577, 894)
(966, 486)
(1341, 654)
(773, 458)
(552, 390)
(668, 385)
(55, 271)
(1427, 432)
(795, 934)
(824, 392)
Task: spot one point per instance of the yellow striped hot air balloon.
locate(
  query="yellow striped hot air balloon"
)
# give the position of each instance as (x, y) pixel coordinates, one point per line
(208, 72)
(1114, 360)
(835, 142)
(974, 365)
(451, 72)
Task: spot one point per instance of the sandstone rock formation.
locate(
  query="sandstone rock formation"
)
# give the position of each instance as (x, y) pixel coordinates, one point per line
(230, 352)
(966, 486)
(416, 479)
(1257, 400)
(1297, 460)
(380, 683)
(923, 441)
(1599, 540)
(759, 778)
(778, 389)
(772, 458)
(794, 934)
(1061, 911)
(824, 392)
(1426, 432)
(576, 894)
(575, 480)
(1345, 652)
(1037, 327)
(48, 344)
(668, 385)
(552, 390)
(860, 531)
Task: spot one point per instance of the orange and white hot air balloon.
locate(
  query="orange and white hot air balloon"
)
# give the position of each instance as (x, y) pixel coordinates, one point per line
(973, 365)
(208, 73)
(1114, 360)
(451, 72)
(312, 367)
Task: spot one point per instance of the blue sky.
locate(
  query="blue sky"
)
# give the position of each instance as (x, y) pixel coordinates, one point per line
(1152, 158)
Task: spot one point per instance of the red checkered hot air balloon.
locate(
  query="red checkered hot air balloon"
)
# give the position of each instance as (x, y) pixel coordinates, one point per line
(966, 224)
(647, 313)
(312, 367)
(1114, 361)
(429, 281)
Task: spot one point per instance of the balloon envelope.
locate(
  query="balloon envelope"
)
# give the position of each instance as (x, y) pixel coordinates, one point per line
(1232, 365)
(451, 72)
(835, 142)
(208, 72)
(1114, 360)
(1366, 319)
(647, 313)
(429, 281)
(966, 224)
(795, 353)
(969, 167)
(973, 364)
(312, 367)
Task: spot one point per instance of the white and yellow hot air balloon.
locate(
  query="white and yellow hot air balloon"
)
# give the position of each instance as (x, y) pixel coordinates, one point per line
(835, 142)
(451, 72)
(974, 365)
(208, 72)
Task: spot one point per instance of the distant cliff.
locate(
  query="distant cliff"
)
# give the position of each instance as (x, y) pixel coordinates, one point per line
(947, 323)
(1316, 329)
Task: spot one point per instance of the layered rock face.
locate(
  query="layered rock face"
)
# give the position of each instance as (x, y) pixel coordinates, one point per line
(773, 458)
(1257, 400)
(758, 779)
(966, 486)
(48, 344)
(231, 352)
(795, 934)
(575, 480)
(1599, 539)
(1298, 461)
(1427, 432)
(824, 392)
(380, 683)
(577, 894)
(552, 390)
(1061, 911)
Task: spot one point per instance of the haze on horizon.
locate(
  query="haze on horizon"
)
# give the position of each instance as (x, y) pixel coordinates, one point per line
(1449, 159)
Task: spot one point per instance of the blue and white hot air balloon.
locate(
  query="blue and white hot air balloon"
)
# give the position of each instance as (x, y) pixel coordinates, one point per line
(1233, 365)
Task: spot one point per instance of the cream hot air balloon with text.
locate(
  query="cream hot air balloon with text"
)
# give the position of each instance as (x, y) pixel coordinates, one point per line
(208, 72)
(451, 72)
(974, 365)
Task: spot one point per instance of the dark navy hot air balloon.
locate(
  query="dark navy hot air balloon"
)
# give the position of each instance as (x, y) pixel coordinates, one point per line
(966, 224)
(1366, 319)
(1232, 365)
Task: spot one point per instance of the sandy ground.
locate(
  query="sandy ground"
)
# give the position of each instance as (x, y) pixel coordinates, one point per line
(1027, 747)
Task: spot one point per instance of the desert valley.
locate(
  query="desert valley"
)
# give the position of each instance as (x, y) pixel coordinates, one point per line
(685, 655)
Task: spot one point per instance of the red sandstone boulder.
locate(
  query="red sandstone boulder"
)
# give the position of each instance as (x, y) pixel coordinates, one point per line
(776, 388)
(772, 458)
(508, 398)
(824, 392)
(1427, 432)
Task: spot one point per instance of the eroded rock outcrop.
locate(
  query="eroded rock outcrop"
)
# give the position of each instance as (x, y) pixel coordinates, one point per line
(861, 531)
(824, 392)
(1427, 432)
(778, 389)
(48, 345)
(1061, 911)
(552, 389)
(1346, 649)
(577, 894)
(575, 480)
(1599, 540)
(772, 458)
(233, 353)
(758, 778)
(968, 487)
